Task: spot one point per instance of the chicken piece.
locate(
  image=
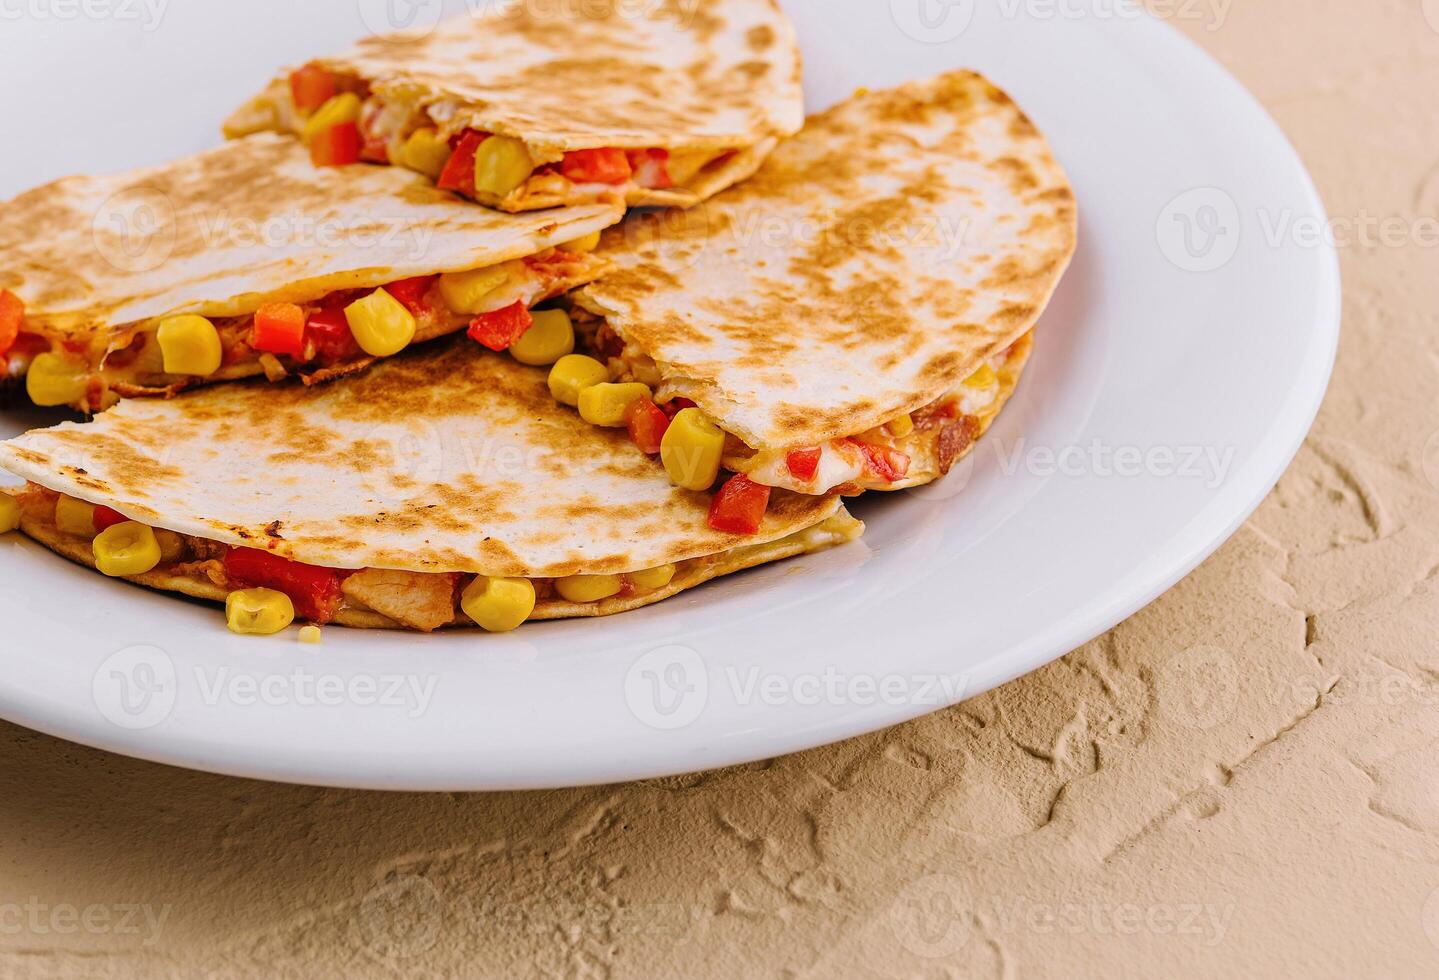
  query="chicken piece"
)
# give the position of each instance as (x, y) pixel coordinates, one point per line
(418, 600)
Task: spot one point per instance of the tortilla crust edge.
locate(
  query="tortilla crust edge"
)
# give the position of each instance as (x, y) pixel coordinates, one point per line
(695, 572)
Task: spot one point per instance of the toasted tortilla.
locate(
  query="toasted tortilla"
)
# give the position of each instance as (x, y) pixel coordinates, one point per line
(870, 266)
(680, 75)
(449, 459)
(252, 221)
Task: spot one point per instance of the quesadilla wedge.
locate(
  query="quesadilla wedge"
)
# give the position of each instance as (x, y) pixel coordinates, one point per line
(522, 106)
(442, 488)
(854, 316)
(246, 260)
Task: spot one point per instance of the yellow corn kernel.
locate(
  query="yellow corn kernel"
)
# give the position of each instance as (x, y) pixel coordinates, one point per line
(9, 513)
(465, 292)
(498, 605)
(609, 404)
(581, 246)
(653, 578)
(983, 378)
(691, 450)
(574, 373)
(588, 588)
(190, 344)
(75, 517)
(426, 151)
(549, 338)
(54, 379)
(126, 549)
(901, 426)
(381, 324)
(311, 634)
(172, 546)
(342, 108)
(501, 165)
(258, 612)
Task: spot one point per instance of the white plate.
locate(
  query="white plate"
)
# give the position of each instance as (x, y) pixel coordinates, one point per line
(1158, 345)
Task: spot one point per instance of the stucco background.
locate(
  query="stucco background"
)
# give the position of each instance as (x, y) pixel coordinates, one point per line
(1241, 779)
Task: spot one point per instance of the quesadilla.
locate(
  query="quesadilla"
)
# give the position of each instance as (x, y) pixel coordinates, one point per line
(247, 261)
(442, 488)
(522, 106)
(854, 316)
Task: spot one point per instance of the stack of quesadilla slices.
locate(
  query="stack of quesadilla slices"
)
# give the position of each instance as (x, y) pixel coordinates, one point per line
(465, 389)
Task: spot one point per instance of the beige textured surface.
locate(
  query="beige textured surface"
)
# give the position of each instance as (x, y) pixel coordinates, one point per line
(1285, 823)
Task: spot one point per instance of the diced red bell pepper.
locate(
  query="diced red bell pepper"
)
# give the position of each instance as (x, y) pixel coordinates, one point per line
(411, 292)
(106, 518)
(739, 506)
(604, 166)
(311, 87)
(329, 330)
(336, 146)
(803, 464)
(890, 465)
(647, 425)
(500, 329)
(315, 591)
(279, 329)
(459, 172)
(674, 406)
(651, 168)
(12, 314)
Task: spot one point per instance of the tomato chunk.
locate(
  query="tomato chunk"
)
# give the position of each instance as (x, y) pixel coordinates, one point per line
(105, 517)
(315, 591)
(803, 464)
(411, 292)
(279, 329)
(651, 168)
(500, 329)
(675, 406)
(739, 506)
(890, 465)
(12, 314)
(329, 331)
(603, 166)
(459, 172)
(647, 425)
(311, 87)
(337, 146)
